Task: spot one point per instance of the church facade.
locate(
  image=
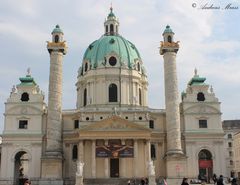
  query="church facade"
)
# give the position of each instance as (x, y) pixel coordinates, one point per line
(112, 130)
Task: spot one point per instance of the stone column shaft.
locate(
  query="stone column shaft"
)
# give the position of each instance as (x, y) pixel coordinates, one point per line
(106, 164)
(135, 159)
(172, 104)
(93, 158)
(54, 119)
(81, 151)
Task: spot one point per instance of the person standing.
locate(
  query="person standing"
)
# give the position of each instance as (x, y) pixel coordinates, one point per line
(214, 178)
(220, 180)
(185, 181)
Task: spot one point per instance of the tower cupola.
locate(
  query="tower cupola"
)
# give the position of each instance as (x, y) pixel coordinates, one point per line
(57, 34)
(168, 34)
(111, 24)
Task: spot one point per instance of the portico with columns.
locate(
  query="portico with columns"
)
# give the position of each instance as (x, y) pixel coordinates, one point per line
(115, 135)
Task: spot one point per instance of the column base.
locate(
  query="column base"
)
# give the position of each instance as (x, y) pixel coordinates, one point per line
(51, 168)
(176, 166)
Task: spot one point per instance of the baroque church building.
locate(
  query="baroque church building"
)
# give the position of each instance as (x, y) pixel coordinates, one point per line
(112, 130)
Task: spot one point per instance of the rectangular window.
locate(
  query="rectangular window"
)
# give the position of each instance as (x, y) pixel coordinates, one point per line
(76, 124)
(202, 123)
(153, 152)
(151, 124)
(23, 124)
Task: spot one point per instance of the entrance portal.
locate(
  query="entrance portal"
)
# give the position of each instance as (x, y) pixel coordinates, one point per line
(21, 167)
(205, 165)
(114, 167)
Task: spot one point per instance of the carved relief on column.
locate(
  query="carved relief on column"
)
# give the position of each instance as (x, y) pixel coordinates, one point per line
(135, 159)
(93, 158)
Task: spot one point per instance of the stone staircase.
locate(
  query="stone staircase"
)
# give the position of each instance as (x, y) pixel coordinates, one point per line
(104, 181)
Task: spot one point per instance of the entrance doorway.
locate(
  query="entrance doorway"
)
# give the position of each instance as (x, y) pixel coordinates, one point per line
(114, 167)
(205, 165)
(21, 167)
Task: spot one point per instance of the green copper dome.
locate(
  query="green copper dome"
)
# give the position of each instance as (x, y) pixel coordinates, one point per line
(168, 30)
(108, 45)
(57, 29)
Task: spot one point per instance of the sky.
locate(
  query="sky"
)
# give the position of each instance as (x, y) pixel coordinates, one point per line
(209, 36)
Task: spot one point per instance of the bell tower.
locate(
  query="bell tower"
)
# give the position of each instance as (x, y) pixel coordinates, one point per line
(52, 157)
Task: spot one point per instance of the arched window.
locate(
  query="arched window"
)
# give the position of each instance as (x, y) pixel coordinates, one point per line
(85, 97)
(112, 61)
(229, 136)
(140, 96)
(74, 152)
(106, 29)
(204, 155)
(138, 66)
(112, 93)
(111, 28)
(25, 97)
(200, 96)
(56, 38)
(169, 38)
(86, 67)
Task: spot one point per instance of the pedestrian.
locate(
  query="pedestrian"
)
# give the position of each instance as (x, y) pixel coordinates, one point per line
(220, 180)
(185, 181)
(129, 182)
(27, 182)
(214, 178)
(234, 181)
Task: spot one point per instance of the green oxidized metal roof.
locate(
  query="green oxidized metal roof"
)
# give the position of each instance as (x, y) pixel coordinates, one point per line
(111, 44)
(28, 80)
(196, 79)
(168, 30)
(57, 29)
(111, 14)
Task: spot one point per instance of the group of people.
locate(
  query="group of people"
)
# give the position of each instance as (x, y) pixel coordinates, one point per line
(220, 180)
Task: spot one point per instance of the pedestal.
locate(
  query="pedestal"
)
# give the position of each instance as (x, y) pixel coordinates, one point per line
(79, 180)
(51, 171)
(152, 180)
(176, 168)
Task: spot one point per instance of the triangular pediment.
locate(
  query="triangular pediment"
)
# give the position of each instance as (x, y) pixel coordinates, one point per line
(115, 123)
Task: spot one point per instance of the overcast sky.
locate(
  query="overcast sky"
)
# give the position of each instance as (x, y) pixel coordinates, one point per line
(209, 41)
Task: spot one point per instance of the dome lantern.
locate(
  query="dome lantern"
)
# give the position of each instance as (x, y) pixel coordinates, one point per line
(111, 24)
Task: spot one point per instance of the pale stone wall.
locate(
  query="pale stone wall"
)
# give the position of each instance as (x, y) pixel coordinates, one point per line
(236, 145)
(97, 81)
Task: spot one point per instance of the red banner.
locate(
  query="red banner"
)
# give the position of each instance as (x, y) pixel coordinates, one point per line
(205, 163)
